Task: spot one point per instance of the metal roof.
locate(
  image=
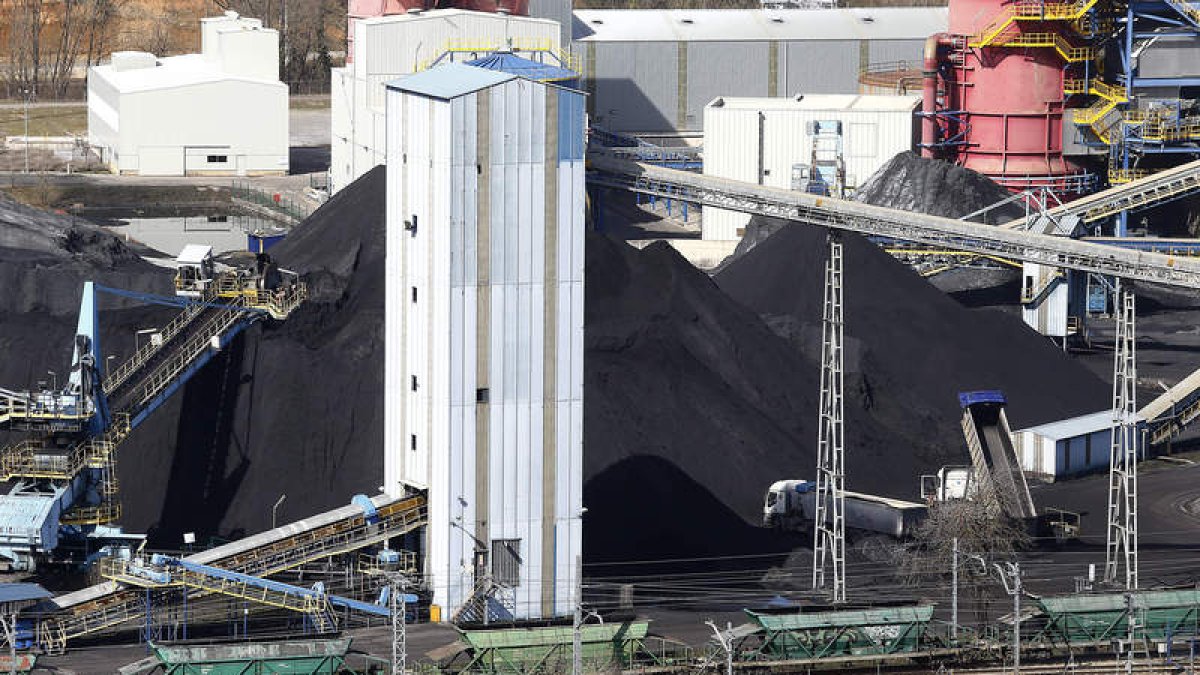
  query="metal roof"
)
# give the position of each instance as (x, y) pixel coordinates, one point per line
(21, 592)
(678, 25)
(23, 515)
(171, 72)
(831, 102)
(450, 80)
(507, 62)
(194, 254)
(1073, 427)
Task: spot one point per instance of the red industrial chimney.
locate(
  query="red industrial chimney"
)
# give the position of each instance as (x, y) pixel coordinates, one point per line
(995, 91)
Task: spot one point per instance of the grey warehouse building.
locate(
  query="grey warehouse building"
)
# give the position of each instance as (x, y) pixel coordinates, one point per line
(653, 71)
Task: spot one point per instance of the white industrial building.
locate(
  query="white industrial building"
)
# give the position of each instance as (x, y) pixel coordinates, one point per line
(1066, 447)
(220, 112)
(760, 140)
(388, 47)
(484, 331)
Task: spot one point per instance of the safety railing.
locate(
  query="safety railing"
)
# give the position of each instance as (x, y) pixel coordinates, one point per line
(147, 351)
(405, 563)
(516, 44)
(113, 609)
(278, 302)
(189, 350)
(1030, 10)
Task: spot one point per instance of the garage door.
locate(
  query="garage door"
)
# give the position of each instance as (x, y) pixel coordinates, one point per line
(199, 161)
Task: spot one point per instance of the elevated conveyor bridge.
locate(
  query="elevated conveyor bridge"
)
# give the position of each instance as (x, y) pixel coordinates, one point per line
(894, 224)
(364, 523)
(1152, 190)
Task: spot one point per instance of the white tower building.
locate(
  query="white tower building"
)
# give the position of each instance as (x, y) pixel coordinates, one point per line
(484, 331)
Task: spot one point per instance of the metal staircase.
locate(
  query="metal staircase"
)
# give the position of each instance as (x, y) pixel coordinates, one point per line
(343, 530)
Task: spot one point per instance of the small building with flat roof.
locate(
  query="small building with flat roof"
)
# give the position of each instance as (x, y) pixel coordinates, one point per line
(1065, 448)
(221, 112)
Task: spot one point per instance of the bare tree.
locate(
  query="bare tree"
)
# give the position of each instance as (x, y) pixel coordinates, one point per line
(980, 531)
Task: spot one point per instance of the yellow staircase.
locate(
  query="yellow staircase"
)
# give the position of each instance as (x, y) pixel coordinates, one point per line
(997, 34)
(1102, 116)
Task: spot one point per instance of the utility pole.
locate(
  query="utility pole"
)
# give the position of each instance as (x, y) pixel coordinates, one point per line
(1122, 536)
(726, 641)
(954, 594)
(26, 97)
(829, 526)
(1013, 571)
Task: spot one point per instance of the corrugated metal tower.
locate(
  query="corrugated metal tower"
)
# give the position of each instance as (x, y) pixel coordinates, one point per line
(829, 525)
(1122, 540)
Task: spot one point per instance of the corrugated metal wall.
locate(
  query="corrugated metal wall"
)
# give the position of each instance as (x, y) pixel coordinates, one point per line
(731, 148)
(385, 50)
(495, 339)
(636, 85)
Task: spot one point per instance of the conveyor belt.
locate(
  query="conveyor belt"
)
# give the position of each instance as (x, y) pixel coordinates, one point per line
(1160, 187)
(342, 530)
(894, 224)
(1168, 415)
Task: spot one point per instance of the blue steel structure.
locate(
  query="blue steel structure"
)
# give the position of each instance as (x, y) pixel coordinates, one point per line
(65, 475)
(1151, 131)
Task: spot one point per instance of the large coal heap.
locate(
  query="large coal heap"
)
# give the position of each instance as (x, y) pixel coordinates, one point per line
(678, 371)
(914, 183)
(909, 348)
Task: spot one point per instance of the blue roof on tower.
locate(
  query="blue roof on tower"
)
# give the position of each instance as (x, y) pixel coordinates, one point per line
(450, 80)
(531, 70)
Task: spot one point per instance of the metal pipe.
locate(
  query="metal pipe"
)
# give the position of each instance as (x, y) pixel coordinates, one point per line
(929, 77)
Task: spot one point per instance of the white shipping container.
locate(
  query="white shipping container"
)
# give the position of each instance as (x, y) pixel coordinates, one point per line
(759, 140)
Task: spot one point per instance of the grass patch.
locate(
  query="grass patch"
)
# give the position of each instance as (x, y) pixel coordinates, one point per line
(57, 120)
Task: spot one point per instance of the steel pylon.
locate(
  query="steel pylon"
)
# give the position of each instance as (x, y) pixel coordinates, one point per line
(1122, 539)
(829, 525)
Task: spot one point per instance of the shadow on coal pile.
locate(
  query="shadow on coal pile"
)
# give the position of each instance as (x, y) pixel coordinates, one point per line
(644, 509)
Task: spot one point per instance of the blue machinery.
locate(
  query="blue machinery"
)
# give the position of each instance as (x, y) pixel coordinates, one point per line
(65, 475)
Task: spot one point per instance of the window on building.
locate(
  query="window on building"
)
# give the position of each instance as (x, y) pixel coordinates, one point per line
(218, 159)
(506, 562)
(412, 441)
(414, 382)
(414, 294)
(481, 395)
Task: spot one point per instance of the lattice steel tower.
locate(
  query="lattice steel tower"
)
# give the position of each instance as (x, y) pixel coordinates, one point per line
(829, 526)
(1122, 539)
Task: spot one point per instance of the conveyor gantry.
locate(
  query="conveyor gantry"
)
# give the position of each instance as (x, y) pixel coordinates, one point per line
(1157, 188)
(164, 572)
(364, 523)
(894, 224)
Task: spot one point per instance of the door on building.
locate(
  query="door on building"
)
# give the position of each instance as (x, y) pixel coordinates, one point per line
(207, 160)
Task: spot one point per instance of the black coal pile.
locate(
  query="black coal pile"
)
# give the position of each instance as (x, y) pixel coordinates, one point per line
(677, 373)
(290, 409)
(44, 259)
(44, 256)
(914, 183)
(910, 349)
